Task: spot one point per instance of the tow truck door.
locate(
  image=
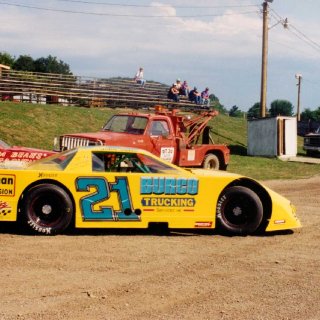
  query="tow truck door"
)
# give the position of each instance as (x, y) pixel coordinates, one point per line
(162, 139)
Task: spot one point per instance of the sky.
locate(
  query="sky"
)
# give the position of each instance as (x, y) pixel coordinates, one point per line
(209, 43)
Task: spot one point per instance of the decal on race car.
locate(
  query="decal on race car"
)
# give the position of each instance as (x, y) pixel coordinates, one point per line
(7, 185)
(25, 156)
(5, 208)
(172, 186)
(203, 224)
(47, 175)
(168, 202)
(103, 192)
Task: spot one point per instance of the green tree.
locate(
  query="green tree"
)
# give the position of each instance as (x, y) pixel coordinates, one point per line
(317, 114)
(235, 112)
(281, 107)
(24, 63)
(51, 65)
(215, 103)
(6, 59)
(254, 111)
(308, 114)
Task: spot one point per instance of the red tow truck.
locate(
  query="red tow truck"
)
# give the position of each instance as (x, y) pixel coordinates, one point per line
(178, 138)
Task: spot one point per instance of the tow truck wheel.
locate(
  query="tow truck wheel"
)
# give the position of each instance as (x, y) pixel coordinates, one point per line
(211, 161)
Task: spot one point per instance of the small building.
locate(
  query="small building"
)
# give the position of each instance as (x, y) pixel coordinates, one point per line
(272, 137)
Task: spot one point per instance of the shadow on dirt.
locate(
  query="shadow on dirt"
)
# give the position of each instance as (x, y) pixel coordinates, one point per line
(154, 230)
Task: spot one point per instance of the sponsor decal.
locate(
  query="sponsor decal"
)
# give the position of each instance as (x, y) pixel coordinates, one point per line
(219, 205)
(47, 175)
(5, 208)
(169, 186)
(27, 155)
(168, 202)
(45, 230)
(279, 221)
(7, 185)
(203, 224)
(21, 156)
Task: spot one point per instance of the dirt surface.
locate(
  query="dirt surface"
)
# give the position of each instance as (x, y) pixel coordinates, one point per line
(179, 275)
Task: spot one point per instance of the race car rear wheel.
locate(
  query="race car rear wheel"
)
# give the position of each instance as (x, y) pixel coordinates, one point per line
(239, 211)
(48, 209)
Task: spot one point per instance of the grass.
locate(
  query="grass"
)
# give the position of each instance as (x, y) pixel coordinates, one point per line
(35, 125)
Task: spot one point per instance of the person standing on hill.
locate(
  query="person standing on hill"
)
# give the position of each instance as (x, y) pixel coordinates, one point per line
(139, 77)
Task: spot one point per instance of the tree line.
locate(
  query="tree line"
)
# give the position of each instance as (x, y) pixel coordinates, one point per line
(284, 108)
(47, 64)
(277, 107)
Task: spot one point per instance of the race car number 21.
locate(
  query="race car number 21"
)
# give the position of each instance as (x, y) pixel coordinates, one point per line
(102, 192)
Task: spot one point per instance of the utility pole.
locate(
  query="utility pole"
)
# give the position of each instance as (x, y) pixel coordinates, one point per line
(263, 94)
(299, 77)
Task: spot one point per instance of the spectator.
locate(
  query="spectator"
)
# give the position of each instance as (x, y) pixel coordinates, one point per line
(178, 85)
(139, 77)
(184, 90)
(205, 99)
(195, 96)
(173, 93)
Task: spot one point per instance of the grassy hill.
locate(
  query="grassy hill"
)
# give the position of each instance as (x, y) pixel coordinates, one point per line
(35, 125)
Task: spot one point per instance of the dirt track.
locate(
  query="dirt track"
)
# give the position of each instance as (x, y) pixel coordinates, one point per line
(138, 275)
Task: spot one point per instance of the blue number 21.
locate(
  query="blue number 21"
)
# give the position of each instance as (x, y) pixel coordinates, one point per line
(102, 192)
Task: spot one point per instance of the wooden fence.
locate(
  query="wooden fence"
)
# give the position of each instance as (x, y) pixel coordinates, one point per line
(83, 91)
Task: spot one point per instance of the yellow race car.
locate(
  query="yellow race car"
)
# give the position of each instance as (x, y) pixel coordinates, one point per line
(117, 187)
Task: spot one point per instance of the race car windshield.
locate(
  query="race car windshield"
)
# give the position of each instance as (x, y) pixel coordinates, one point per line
(156, 166)
(126, 124)
(60, 159)
(129, 162)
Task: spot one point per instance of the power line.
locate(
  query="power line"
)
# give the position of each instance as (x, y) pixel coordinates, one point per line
(297, 33)
(305, 37)
(122, 15)
(162, 5)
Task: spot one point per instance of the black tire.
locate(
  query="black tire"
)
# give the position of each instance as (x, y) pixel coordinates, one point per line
(48, 209)
(211, 161)
(239, 211)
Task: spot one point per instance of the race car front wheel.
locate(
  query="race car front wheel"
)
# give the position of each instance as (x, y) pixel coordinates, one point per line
(48, 209)
(239, 210)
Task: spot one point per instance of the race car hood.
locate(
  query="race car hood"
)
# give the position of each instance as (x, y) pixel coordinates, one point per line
(214, 173)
